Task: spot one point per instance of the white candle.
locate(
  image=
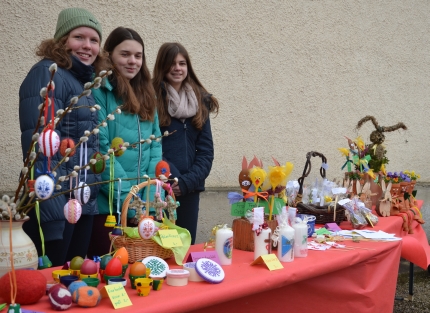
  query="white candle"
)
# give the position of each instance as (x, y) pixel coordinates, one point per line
(301, 240)
(286, 244)
(262, 243)
(224, 245)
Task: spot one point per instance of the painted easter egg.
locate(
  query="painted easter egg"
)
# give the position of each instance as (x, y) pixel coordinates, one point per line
(89, 267)
(137, 269)
(76, 263)
(65, 144)
(87, 297)
(72, 211)
(122, 255)
(117, 144)
(60, 297)
(100, 165)
(49, 142)
(114, 267)
(104, 261)
(146, 228)
(83, 193)
(44, 187)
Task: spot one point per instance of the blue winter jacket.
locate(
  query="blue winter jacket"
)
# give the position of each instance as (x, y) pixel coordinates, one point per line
(136, 161)
(189, 151)
(68, 83)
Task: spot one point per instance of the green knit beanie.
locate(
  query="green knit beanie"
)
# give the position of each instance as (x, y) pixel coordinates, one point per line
(72, 18)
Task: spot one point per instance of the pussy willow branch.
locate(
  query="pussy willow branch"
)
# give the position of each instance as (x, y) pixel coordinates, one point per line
(24, 178)
(25, 209)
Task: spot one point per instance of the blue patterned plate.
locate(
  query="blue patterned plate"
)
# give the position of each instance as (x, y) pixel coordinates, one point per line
(210, 270)
(158, 266)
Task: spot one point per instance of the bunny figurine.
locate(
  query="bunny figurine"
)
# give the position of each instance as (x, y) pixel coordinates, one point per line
(383, 208)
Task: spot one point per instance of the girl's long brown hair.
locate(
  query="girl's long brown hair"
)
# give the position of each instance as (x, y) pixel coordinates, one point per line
(137, 94)
(165, 58)
(57, 51)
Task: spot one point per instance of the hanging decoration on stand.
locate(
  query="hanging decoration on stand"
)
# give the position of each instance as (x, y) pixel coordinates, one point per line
(110, 219)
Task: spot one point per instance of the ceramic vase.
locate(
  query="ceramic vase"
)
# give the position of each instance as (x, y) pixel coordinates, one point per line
(25, 253)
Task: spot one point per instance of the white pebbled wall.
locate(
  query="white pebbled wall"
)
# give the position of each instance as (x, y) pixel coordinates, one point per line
(290, 76)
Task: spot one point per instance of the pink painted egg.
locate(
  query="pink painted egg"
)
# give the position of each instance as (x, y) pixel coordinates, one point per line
(44, 187)
(114, 267)
(146, 228)
(49, 142)
(83, 193)
(89, 267)
(72, 211)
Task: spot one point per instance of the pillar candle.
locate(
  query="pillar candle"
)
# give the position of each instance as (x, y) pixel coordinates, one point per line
(286, 243)
(224, 245)
(262, 243)
(300, 240)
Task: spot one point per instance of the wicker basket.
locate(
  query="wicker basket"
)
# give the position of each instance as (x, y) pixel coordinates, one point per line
(323, 214)
(138, 248)
(243, 236)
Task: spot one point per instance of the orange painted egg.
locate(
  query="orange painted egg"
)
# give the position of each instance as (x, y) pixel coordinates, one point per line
(89, 267)
(114, 268)
(65, 144)
(137, 269)
(122, 255)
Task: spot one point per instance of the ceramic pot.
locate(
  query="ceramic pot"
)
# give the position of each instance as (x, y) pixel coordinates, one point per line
(412, 186)
(25, 253)
(395, 190)
(404, 187)
(376, 189)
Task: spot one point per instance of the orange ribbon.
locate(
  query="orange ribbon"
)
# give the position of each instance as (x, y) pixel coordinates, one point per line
(249, 194)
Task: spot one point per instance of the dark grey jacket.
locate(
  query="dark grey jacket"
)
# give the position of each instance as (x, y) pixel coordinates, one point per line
(68, 83)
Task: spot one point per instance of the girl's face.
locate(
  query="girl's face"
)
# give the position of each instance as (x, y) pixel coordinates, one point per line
(127, 58)
(84, 43)
(178, 72)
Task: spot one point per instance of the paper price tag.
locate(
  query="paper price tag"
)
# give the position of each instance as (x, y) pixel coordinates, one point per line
(270, 260)
(170, 238)
(117, 295)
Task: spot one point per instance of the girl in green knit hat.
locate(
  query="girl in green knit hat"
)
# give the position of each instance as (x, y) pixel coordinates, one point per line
(75, 48)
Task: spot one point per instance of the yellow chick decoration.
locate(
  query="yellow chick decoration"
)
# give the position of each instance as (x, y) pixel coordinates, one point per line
(117, 144)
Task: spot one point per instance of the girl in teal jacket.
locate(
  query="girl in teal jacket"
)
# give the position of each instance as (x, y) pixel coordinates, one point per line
(129, 86)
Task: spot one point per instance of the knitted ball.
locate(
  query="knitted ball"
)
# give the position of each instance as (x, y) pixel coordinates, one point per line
(65, 144)
(100, 164)
(117, 144)
(60, 297)
(72, 211)
(87, 297)
(49, 142)
(31, 286)
(75, 285)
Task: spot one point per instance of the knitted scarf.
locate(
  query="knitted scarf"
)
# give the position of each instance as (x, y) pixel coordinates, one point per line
(183, 104)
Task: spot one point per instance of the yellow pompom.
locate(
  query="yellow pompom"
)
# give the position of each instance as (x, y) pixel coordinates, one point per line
(117, 144)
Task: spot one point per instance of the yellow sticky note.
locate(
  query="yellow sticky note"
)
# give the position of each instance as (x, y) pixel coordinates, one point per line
(170, 238)
(118, 296)
(272, 262)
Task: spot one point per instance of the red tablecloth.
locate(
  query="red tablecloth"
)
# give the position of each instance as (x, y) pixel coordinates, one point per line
(359, 280)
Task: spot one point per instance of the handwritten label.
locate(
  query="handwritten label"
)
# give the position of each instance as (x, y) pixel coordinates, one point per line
(195, 256)
(117, 295)
(270, 260)
(170, 238)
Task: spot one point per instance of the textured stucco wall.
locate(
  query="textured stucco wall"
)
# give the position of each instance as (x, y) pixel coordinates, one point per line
(291, 76)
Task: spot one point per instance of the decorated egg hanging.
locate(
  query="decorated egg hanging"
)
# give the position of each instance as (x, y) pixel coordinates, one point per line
(49, 142)
(72, 211)
(83, 193)
(146, 228)
(100, 165)
(117, 144)
(65, 144)
(44, 186)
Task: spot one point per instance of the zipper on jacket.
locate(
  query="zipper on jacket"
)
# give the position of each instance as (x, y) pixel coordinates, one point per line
(140, 150)
(185, 144)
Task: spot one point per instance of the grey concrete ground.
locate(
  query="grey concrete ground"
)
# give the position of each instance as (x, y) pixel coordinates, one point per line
(214, 210)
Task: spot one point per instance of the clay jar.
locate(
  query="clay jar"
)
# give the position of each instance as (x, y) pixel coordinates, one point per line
(412, 186)
(395, 190)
